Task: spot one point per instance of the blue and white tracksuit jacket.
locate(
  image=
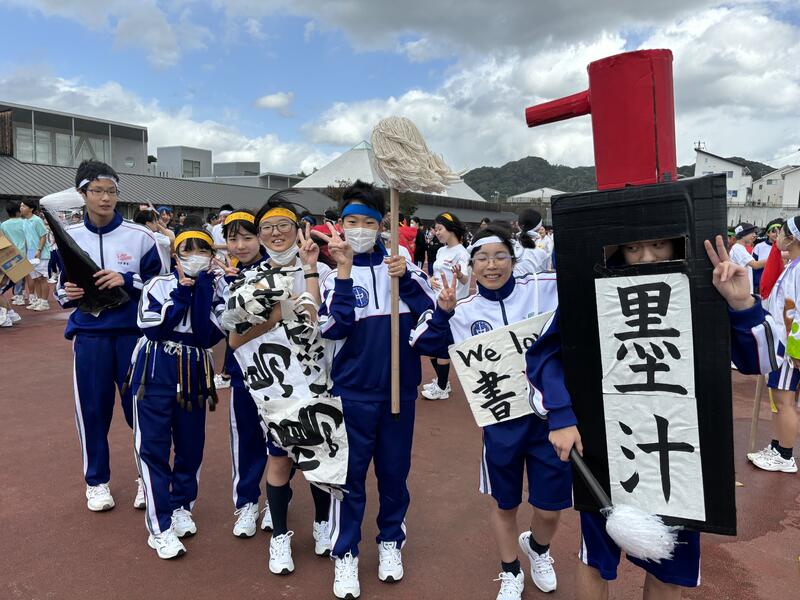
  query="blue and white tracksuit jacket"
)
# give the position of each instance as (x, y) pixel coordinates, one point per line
(356, 314)
(510, 446)
(248, 442)
(103, 344)
(171, 382)
(755, 348)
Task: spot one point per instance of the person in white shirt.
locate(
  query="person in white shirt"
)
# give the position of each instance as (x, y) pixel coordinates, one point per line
(762, 249)
(745, 236)
(164, 237)
(220, 245)
(530, 248)
(452, 260)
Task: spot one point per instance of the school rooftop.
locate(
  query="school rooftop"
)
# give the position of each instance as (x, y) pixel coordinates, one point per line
(40, 148)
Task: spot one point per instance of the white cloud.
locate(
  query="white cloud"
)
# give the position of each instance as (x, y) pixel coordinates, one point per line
(281, 102)
(165, 127)
(253, 28)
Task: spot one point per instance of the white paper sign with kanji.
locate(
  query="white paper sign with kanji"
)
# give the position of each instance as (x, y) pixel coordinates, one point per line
(649, 402)
(491, 370)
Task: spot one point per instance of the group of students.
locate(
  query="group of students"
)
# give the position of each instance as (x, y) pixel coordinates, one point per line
(156, 351)
(29, 233)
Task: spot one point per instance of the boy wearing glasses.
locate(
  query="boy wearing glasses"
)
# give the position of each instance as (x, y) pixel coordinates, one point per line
(103, 344)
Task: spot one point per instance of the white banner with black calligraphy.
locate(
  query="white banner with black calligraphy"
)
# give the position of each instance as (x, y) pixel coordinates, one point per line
(291, 387)
(491, 370)
(647, 352)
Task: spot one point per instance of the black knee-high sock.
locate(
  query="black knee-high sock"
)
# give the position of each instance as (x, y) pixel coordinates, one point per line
(322, 503)
(435, 365)
(278, 498)
(443, 373)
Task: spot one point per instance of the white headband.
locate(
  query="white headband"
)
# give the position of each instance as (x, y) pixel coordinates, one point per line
(793, 227)
(492, 239)
(87, 181)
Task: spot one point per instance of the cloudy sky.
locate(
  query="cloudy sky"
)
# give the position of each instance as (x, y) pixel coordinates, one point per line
(294, 83)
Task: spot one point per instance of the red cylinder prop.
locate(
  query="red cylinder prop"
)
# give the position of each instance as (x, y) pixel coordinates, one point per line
(630, 98)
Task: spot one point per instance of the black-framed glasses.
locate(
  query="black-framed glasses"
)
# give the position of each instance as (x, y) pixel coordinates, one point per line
(101, 192)
(281, 226)
(483, 259)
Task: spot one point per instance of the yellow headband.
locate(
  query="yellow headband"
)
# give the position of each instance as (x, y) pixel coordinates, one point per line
(279, 212)
(447, 216)
(197, 235)
(239, 216)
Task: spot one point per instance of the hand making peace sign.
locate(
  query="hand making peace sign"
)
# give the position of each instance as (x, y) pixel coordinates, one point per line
(447, 297)
(731, 280)
(339, 249)
(309, 250)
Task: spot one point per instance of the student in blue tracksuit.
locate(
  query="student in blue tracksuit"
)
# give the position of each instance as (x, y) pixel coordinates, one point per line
(279, 231)
(248, 443)
(510, 447)
(355, 312)
(753, 351)
(172, 381)
(103, 344)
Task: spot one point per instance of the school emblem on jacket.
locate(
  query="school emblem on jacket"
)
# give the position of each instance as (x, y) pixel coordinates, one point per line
(124, 258)
(362, 296)
(479, 327)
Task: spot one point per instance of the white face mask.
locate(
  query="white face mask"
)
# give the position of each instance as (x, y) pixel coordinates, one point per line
(283, 258)
(192, 265)
(361, 239)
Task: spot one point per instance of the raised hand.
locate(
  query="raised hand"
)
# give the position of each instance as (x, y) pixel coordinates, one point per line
(339, 249)
(731, 280)
(227, 269)
(309, 250)
(447, 297)
(457, 271)
(182, 278)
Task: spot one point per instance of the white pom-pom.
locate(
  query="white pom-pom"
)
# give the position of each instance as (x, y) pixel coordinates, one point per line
(640, 534)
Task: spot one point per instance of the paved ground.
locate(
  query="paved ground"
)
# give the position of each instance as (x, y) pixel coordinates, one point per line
(52, 547)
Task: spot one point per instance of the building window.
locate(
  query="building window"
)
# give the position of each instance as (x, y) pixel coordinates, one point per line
(63, 149)
(734, 193)
(729, 174)
(771, 181)
(44, 147)
(708, 172)
(23, 144)
(191, 168)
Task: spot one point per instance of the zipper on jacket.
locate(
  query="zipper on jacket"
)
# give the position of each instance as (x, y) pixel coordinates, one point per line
(374, 286)
(102, 260)
(503, 310)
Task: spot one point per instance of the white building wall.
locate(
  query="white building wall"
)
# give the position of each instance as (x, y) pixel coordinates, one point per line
(739, 183)
(791, 190)
(170, 160)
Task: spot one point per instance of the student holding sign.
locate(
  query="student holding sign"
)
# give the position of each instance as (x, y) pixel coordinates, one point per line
(356, 314)
(512, 443)
(279, 231)
(753, 332)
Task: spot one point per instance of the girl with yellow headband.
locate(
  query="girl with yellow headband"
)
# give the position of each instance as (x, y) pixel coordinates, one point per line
(452, 260)
(248, 445)
(290, 247)
(171, 381)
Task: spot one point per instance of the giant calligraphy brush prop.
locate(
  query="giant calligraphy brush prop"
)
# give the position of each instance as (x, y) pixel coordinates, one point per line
(637, 532)
(405, 164)
(79, 268)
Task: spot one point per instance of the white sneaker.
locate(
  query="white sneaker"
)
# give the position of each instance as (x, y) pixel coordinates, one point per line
(182, 523)
(40, 305)
(542, 572)
(266, 520)
(511, 586)
(14, 316)
(53, 279)
(435, 393)
(345, 578)
(280, 554)
(322, 538)
(768, 451)
(245, 525)
(18, 300)
(166, 544)
(32, 299)
(434, 384)
(775, 462)
(390, 562)
(98, 497)
(221, 382)
(5, 320)
(138, 502)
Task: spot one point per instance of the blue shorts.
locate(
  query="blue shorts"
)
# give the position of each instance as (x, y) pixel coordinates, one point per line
(600, 552)
(512, 446)
(274, 450)
(786, 378)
